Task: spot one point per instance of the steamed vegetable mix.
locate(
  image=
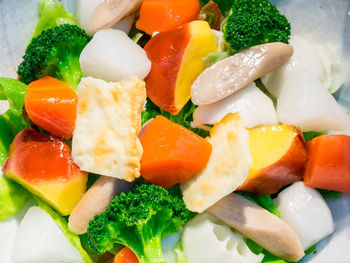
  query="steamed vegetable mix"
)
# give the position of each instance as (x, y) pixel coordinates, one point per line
(191, 131)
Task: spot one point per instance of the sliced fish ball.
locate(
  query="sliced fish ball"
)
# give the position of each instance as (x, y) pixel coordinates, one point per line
(252, 104)
(304, 209)
(112, 56)
(40, 240)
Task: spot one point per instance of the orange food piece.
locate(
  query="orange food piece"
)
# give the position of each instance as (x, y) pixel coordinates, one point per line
(329, 163)
(126, 255)
(43, 164)
(177, 60)
(171, 153)
(164, 15)
(52, 105)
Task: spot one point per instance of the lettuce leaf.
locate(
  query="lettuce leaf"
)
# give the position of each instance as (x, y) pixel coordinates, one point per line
(14, 91)
(264, 201)
(184, 118)
(62, 223)
(12, 197)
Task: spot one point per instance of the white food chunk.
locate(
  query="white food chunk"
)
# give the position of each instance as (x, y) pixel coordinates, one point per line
(85, 8)
(252, 104)
(205, 240)
(168, 247)
(227, 168)
(112, 56)
(40, 240)
(105, 138)
(304, 209)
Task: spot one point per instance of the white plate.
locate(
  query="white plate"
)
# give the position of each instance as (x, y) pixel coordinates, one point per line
(324, 20)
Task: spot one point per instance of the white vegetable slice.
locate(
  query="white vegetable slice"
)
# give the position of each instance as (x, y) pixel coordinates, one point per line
(227, 167)
(168, 247)
(105, 138)
(205, 240)
(252, 104)
(85, 8)
(112, 56)
(305, 210)
(40, 240)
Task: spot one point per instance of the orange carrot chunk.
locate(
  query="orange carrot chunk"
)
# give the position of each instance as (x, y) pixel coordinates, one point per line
(329, 163)
(163, 15)
(171, 153)
(52, 105)
(126, 255)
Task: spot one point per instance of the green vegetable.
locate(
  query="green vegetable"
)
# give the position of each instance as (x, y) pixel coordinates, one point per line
(179, 251)
(63, 225)
(310, 250)
(329, 193)
(224, 5)
(212, 14)
(264, 201)
(308, 136)
(55, 52)
(255, 22)
(12, 121)
(52, 14)
(139, 220)
(213, 58)
(184, 118)
(12, 197)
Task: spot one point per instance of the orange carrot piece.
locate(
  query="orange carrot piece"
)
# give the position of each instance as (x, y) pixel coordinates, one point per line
(163, 15)
(329, 163)
(171, 153)
(126, 255)
(52, 105)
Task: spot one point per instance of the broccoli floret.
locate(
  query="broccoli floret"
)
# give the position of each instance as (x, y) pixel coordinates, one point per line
(139, 220)
(255, 22)
(55, 52)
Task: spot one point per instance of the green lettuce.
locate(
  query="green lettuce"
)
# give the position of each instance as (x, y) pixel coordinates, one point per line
(52, 13)
(264, 201)
(12, 197)
(184, 118)
(14, 92)
(62, 223)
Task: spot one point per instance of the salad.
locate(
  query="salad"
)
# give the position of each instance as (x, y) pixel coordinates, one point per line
(171, 131)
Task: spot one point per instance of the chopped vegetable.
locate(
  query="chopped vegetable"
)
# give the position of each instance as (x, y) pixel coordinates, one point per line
(14, 91)
(43, 165)
(138, 220)
(264, 201)
(160, 15)
(39, 240)
(171, 153)
(305, 210)
(125, 256)
(12, 197)
(255, 22)
(177, 60)
(52, 105)
(329, 163)
(170, 248)
(212, 14)
(55, 52)
(252, 104)
(112, 56)
(52, 14)
(227, 168)
(206, 240)
(279, 158)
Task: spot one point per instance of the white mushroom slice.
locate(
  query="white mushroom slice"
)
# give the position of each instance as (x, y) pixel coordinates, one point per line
(205, 240)
(105, 138)
(233, 73)
(112, 56)
(260, 225)
(85, 8)
(110, 12)
(252, 104)
(304, 209)
(95, 201)
(227, 168)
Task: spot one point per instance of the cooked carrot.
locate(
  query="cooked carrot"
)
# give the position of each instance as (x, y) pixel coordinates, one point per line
(163, 15)
(52, 105)
(171, 153)
(125, 256)
(329, 163)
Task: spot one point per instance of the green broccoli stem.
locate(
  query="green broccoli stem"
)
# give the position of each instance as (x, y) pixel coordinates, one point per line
(70, 71)
(153, 251)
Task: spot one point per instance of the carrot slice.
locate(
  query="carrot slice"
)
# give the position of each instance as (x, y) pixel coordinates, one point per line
(52, 105)
(171, 153)
(163, 15)
(126, 255)
(329, 163)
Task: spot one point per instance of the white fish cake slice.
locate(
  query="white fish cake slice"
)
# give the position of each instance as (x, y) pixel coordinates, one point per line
(228, 166)
(105, 138)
